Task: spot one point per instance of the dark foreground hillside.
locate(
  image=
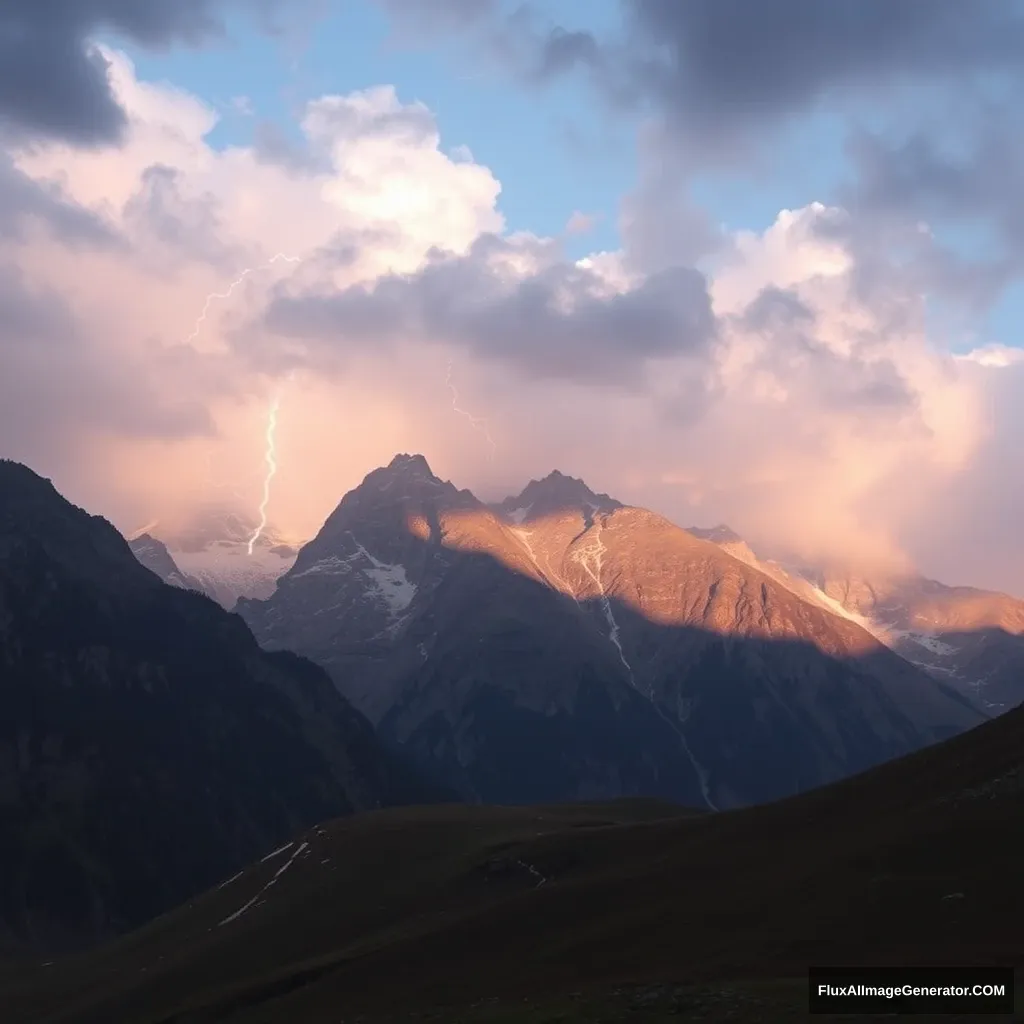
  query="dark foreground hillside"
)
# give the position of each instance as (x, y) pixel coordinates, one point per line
(147, 745)
(610, 912)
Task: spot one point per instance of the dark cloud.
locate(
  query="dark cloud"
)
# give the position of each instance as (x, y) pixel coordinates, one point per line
(718, 64)
(24, 201)
(54, 83)
(556, 322)
(660, 223)
(968, 170)
(936, 208)
(725, 68)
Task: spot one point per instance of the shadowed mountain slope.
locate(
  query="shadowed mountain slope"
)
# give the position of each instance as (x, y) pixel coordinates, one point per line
(148, 746)
(562, 646)
(477, 908)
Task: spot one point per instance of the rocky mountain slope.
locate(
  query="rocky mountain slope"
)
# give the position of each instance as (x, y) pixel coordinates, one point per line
(409, 914)
(971, 639)
(560, 645)
(148, 746)
(153, 554)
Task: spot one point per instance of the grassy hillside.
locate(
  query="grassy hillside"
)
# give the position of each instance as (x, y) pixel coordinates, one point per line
(509, 914)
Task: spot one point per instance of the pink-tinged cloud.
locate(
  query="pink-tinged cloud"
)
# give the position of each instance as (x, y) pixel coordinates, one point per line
(778, 394)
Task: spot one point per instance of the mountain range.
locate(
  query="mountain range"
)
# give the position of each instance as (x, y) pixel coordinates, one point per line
(148, 746)
(969, 638)
(560, 645)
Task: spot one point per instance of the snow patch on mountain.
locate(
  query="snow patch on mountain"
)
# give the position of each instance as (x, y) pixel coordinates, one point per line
(332, 565)
(589, 557)
(928, 641)
(227, 571)
(837, 608)
(931, 643)
(391, 586)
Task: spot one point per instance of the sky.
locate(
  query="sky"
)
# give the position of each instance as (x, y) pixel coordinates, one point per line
(760, 264)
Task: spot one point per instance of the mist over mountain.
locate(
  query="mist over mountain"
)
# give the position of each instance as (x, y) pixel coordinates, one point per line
(209, 551)
(559, 645)
(148, 747)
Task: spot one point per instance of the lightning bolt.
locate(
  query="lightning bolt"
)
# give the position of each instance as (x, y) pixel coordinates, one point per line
(278, 258)
(475, 422)
(271, 460)
(271, 431)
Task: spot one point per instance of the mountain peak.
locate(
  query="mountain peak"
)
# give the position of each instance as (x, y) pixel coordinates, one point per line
(404, 476)
(411, 473)
(553, 493)
(33, 514)
(410, 463)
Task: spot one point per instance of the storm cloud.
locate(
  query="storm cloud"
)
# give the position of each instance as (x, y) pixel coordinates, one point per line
(551, 319)
(722, 66)
(54, 82)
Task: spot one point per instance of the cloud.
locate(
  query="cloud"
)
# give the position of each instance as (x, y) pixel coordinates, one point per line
(725, 74)
(54, 81)
(660, 224)
(26, 204)
(719, 66)
(791, 388)
(515, 301)
(960, 170)
(127, 397)
(59, 385)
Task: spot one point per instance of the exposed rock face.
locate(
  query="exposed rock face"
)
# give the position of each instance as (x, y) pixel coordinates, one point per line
(148, 746)
(153, 554)
(559, 645)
